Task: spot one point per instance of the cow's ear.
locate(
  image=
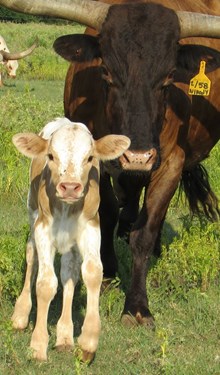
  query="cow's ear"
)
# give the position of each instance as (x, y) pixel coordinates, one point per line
(30, 144)
(77, 47)
(189, 57)
(111, 146)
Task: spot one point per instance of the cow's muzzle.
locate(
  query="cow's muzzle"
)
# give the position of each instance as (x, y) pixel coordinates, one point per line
(139, 161)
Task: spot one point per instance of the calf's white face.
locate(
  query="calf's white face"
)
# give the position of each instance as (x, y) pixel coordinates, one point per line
(70, 153)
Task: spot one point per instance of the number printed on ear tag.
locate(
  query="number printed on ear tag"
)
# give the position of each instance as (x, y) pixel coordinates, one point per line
(200, 84)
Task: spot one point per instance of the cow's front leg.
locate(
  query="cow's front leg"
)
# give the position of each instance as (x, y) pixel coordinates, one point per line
(108, 211)
(92, 273)
(23, 304)
(69, 273)
(46, 287)
(136, 310)
(131, 187)
(144, 235)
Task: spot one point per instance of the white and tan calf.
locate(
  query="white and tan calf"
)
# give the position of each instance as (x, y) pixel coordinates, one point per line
(63, 207)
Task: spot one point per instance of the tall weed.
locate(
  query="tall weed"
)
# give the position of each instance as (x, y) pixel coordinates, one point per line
(192, 260)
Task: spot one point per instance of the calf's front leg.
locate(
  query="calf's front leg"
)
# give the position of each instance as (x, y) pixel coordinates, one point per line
(92, 273)
(69, 273)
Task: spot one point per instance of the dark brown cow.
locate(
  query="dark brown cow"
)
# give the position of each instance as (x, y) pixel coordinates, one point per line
(133, 79)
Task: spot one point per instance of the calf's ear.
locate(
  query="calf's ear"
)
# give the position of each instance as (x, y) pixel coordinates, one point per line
(111, 146)
(30, 144)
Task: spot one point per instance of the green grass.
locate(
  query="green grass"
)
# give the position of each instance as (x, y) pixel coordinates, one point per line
(183, 285)
(185, 342)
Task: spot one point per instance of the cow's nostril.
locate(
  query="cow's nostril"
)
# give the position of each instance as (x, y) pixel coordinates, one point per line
(126, 158)
(138, 160)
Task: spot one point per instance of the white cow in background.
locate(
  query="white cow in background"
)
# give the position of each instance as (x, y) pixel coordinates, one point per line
(11, 65)
(9, 60)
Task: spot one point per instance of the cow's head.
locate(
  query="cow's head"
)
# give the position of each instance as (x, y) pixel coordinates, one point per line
(133, 42)
(138, 46)
(70, 152)
(12, 66)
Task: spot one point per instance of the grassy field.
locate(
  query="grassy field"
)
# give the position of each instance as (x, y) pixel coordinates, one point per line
(183, 285)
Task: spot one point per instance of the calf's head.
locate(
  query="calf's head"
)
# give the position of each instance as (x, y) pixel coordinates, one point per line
(70, 153)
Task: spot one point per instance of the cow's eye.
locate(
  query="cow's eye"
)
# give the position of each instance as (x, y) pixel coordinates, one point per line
(78, 52)
(50, 156)
(90, 158)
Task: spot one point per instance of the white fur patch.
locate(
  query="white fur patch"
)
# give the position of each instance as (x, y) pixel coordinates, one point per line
(58, 123)
(71, 141)
(64, 230)
(72, 145)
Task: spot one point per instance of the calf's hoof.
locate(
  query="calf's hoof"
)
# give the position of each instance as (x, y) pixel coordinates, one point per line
(19, 322)
(84, 356)
(39, 355)
(39, 348)
(64, 348)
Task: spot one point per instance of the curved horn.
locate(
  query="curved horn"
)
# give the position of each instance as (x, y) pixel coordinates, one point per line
(87, 12)
(198, 24)
(18, 55)
(93, 13)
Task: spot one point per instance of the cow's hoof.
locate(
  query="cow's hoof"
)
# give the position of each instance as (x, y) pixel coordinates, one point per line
(147, 321)
(84, 356)
(130, 321)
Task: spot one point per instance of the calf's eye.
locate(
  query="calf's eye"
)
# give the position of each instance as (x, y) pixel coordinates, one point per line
(90, 158)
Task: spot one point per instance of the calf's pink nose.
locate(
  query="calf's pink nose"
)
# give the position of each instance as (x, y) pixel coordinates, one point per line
(69, 189)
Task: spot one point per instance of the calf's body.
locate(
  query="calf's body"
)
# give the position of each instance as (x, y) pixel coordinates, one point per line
(63, 207)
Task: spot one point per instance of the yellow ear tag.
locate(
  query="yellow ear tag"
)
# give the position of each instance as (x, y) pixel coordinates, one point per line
(200, 84)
